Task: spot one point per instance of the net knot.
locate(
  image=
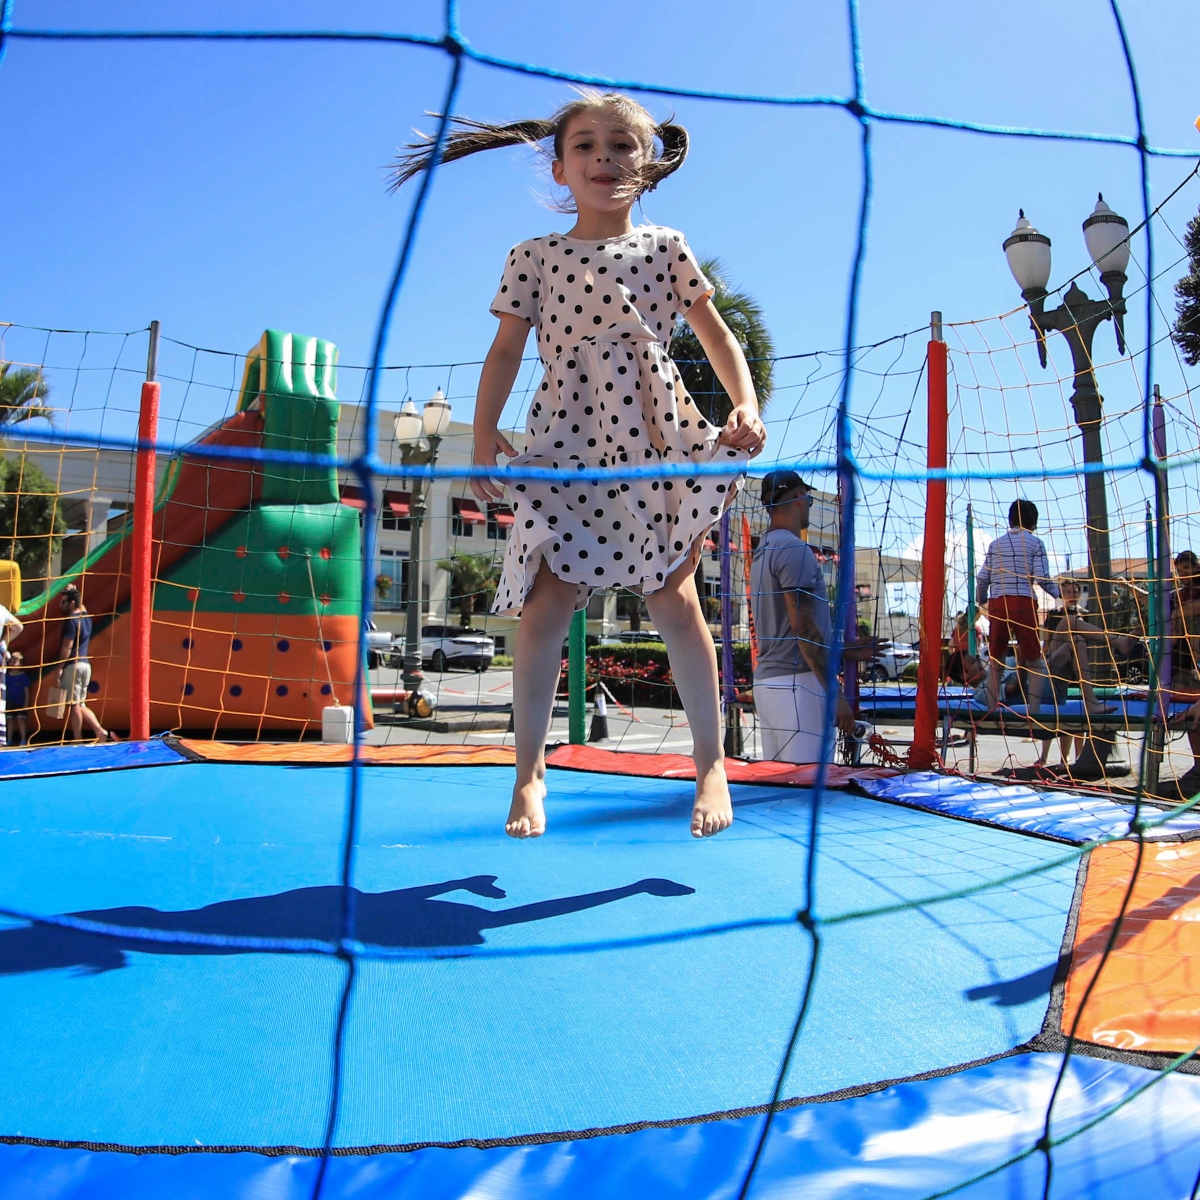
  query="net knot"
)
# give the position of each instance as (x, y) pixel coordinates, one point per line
(805, 918)
(855, 108)
(1044, 1144)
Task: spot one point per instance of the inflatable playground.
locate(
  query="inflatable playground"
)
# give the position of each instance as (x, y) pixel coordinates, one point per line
(237, 959)
(257, 571)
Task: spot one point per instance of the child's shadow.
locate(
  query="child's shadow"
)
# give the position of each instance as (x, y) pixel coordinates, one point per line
(407, 917)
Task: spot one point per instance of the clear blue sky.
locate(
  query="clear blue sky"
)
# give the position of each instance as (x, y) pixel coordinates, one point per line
(226, 188)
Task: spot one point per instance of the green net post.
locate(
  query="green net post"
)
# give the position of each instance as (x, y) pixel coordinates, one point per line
(577, 677)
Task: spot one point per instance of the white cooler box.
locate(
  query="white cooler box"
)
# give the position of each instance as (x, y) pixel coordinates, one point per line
(337, 724)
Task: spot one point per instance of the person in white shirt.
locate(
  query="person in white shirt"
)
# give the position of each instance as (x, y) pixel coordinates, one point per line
(1015, 561)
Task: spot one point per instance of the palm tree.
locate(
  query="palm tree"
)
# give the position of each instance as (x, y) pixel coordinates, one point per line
(473, 579)
(20, 390)
(744, 317)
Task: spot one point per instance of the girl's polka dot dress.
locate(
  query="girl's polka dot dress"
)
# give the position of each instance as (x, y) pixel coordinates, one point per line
(611, 397)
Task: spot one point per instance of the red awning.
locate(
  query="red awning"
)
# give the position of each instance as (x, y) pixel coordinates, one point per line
(710, 543)
(400, 503)
(505, 517)
(353, 496)
(468, 510)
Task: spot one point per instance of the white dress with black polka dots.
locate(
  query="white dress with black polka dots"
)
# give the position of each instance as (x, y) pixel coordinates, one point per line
(604, 312)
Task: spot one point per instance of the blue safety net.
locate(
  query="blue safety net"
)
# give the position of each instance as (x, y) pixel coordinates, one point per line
(224, 954)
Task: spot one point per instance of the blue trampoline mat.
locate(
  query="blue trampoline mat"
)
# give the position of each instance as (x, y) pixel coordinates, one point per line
(115, 1044)
(23, 761)
(881, 702)
(903, 1143)
(1069, 816)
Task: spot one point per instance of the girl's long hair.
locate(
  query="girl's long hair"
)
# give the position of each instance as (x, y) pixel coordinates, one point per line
(470, 137)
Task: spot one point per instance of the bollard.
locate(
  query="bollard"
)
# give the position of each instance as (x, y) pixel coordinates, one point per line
(599, 729)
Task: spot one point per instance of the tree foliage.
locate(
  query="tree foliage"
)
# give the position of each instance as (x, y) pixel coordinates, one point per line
(31, 525)
(744, 316)
(473, 582)
(1187, 309)
(21, 390)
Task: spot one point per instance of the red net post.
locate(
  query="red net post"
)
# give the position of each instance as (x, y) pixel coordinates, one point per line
(923, 755)
(143, 527)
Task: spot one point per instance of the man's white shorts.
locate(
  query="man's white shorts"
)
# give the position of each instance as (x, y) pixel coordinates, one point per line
(791, 711)
(75, 679)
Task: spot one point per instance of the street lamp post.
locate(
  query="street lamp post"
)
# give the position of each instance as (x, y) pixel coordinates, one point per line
(1077, 319)
(418, 435)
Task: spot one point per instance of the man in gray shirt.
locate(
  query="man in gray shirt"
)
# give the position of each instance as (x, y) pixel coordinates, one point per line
(791, 621)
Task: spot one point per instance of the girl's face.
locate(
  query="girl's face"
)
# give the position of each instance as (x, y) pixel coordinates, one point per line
(600, 158)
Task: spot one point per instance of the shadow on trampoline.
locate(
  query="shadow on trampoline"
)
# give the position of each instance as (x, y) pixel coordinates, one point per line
(408, 917)
(645, 809)
(1010, 992)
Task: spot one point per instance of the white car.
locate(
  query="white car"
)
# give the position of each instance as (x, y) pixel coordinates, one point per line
(379, 645)
(444, 646)
(890, 662)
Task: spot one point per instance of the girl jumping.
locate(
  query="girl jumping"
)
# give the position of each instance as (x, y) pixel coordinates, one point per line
(604, 298)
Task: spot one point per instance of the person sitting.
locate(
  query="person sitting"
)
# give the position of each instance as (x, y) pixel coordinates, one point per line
(1065, 650)
(969, 671)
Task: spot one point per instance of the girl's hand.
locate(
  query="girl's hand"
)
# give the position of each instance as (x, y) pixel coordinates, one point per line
(487, 447)
(744, 430)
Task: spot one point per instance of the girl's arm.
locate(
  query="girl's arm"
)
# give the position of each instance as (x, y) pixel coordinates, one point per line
(744, 430)
(495, 382)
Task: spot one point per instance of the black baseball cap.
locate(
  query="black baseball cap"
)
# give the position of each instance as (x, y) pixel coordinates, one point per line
(778, 487)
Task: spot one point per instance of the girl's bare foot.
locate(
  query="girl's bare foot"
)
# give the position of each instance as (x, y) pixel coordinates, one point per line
(713, 809)
(527, 815)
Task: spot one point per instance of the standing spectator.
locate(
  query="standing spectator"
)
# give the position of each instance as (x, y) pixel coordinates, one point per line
(1015, 561)
(16, 701)
(790, 606)
(1185, 623)
(1184, 642)
(74, 672)
(9, 628)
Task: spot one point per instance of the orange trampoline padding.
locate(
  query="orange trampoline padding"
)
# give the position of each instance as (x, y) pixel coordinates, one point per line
(323, 754)
(1148, 995)
(680, 766)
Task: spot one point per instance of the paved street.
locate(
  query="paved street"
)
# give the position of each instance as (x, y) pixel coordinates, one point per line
(461, 693)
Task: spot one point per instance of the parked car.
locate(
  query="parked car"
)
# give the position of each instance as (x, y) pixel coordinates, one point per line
(629, 637)
(444, 646)
(890, 662)
(394, 657)
(379, 644)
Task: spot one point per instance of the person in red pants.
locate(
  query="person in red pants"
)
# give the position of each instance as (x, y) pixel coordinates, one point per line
(1016, 561)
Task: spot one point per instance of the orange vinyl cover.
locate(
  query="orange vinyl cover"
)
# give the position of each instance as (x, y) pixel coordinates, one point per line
(1148, 995)
(680, 766)
(324, 754)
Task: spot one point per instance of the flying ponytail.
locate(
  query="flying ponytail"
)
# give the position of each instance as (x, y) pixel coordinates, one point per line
(470, 137)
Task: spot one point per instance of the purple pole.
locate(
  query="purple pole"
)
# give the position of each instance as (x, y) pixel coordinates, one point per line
(730, 690)
(1163, 548)
(850, 628)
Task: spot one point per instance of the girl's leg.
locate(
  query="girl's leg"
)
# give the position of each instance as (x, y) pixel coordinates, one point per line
(537, 662)
(675, 610)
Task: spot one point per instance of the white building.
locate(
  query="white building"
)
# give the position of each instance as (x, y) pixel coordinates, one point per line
(96, 489)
